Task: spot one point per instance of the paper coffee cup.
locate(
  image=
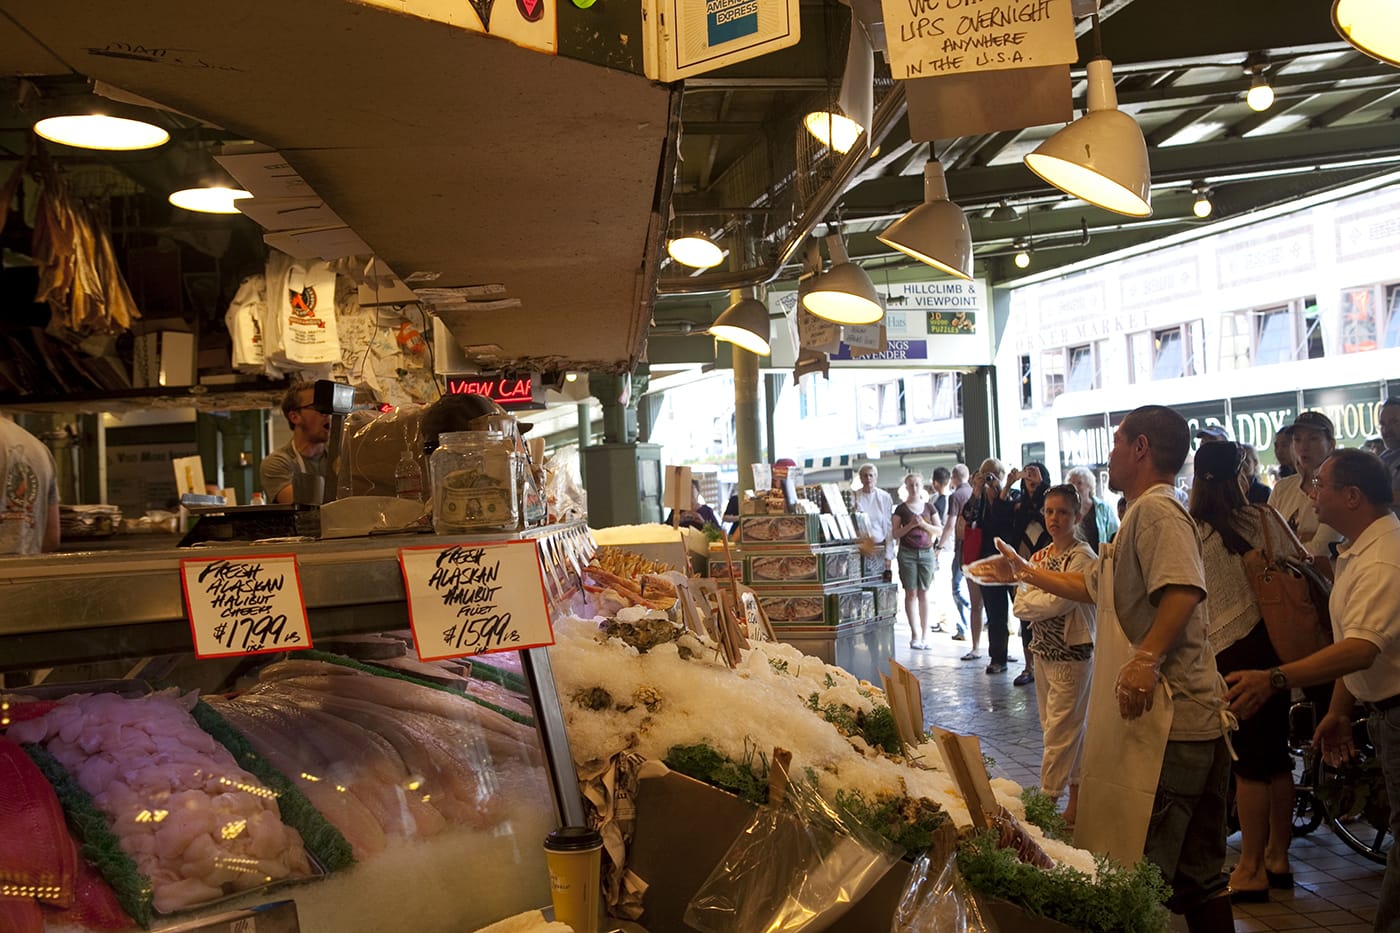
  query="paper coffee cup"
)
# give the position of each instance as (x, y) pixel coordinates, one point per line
(574, 855)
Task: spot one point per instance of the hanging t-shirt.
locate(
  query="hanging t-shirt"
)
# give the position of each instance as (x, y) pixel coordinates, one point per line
(244, 319)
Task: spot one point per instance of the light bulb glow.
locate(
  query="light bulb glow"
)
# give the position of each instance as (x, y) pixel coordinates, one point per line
(216, 199)
(1023, 260)
(742, 338)
(836, 132)
(1261, 94)
(695, 251)
(1202, 207)
(98, 131)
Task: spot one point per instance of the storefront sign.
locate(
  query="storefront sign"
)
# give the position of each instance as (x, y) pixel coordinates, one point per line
(506, 391)
(1354, 409)
(1084, 441)
(1257, 419)
(898, 351)
(927, 38)
(467, 599)
(244, 605)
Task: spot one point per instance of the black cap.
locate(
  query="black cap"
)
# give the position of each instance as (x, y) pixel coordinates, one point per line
(1212, 432)
(1216, 462)
(1316, 421)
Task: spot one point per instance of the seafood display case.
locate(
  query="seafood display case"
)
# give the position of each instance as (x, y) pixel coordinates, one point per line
(366, 788)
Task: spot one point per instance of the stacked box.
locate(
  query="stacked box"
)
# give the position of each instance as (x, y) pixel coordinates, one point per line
(854, 605)
(793, 566)
(872, 566)
(721, 569)
(763, 530)
(886, 597)
(794, 607)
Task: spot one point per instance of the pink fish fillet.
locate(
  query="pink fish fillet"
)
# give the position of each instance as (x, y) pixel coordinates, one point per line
(35, 848)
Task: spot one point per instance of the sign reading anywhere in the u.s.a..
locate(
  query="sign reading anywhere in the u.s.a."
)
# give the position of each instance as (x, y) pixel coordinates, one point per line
(466, 599)
(927, 38)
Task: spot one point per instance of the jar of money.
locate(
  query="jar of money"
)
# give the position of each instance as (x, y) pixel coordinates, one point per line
(474, 483)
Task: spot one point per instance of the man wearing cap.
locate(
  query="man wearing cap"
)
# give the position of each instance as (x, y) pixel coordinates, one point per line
(1314, 439)
(1352, 493)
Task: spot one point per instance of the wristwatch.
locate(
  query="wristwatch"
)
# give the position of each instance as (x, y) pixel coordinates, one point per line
(1278, 679)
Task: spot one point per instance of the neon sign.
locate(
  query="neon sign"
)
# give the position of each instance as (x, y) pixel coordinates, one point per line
(506, 391)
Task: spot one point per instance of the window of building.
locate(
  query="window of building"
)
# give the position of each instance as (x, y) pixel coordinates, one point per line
(1026, 393)
(1392, 316)
(1052, 366)
(881, 405)
(1167, 353)
(918, 397)
(1288, 332)
(1358, 320)
(1236, 339)
(947, 396)
(1083, 368)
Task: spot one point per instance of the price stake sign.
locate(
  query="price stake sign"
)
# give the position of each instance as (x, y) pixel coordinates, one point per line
(467, 599)
(244, 605)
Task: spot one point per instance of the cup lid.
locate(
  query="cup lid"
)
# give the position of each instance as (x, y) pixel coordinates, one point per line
(570, 838)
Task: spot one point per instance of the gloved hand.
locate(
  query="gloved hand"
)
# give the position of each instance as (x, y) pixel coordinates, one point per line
(1136, 683)
(1016, 565)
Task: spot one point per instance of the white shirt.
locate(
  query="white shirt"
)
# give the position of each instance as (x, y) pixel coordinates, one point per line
(878, 505)
(1292, 502)
(1365, 604)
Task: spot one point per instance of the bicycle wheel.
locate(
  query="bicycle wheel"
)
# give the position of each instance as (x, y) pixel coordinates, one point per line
(1307, 812)
(1354, 796)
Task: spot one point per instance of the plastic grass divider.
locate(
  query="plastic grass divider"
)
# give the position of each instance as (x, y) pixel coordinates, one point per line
(343, 661)
(97, 843)
(320, 837)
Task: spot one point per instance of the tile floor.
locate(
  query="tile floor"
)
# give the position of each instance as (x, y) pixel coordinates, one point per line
(1336, 889)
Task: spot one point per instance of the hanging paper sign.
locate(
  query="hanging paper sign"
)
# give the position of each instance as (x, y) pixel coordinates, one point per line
(468, 599)
(244, 605)
(927, 38)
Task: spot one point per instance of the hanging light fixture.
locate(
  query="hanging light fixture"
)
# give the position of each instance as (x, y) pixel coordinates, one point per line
(695, 250)
(1004, 213)
(209, 199)
(1371, 26)
(745, 324)
(1023, 254)
(1100, 158)
(101, 131)
(1260, 96)
(935, 232)
(840, 127)
(1201, 206)
(844, 293)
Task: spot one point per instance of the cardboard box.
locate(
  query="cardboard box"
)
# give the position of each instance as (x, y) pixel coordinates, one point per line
(872, 566)
(758, 530)
(825, 565)
(721, 569)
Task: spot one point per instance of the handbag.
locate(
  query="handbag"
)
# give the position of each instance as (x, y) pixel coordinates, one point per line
(1292, 590)
(972, 544)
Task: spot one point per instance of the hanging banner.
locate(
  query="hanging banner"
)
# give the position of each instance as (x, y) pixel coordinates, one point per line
(467, 599)
(927, 38)
(247, 605)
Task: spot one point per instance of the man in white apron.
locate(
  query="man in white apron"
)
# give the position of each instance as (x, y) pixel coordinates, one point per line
(1156, 762)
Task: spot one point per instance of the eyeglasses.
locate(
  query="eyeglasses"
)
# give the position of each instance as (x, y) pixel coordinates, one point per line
(1317, 483)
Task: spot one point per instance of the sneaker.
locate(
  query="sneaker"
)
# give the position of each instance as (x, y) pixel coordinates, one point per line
(959, 635)
(972, 656)
(1023, 678)
(938, 627)
(995, 668)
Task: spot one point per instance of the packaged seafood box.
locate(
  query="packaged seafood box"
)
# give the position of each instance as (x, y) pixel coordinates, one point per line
(835, 565)
(856, 605)
(780, 529)
(809, 608)
(872, 566)
(886, 598)
(721, 569)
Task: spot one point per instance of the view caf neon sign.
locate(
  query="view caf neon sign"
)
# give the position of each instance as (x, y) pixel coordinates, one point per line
(506, 391)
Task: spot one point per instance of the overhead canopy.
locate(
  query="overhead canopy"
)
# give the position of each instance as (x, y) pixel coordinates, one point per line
(450, 153)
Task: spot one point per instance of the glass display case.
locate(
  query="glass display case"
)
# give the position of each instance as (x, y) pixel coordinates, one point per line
(374, 790)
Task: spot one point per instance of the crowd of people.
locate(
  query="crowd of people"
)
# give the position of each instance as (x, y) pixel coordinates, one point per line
(1157, 680)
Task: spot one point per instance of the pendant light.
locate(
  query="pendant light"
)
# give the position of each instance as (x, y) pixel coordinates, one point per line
(745, 324)
(695, 250)
(1101, 158)
(840, 127)
(101, 131)
(1260, 96)
(1371, 26)
(935, 232)
(209, 199)
(844, 293)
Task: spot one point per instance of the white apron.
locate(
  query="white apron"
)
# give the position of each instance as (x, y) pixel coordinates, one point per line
(1122, 761)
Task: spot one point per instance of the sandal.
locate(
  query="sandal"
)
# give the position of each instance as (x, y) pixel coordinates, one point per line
(971, 656)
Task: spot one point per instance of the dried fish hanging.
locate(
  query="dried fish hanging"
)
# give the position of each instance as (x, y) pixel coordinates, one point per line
(78, 272)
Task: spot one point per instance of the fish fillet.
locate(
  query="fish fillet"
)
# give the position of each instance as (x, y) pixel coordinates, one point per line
(36, 852)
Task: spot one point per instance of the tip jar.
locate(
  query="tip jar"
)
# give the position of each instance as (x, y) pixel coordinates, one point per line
(474, 483)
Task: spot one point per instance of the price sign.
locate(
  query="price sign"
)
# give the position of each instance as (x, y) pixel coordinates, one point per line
(244, 605)
(468, 599)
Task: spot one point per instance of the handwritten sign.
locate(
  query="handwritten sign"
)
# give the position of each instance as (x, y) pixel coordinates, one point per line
(928, 38)
(244, 605)
(468, 599)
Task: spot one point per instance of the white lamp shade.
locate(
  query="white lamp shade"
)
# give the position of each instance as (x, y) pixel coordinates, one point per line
(745, 324)
(1100, 158)
(840, 129)
(695, 251)
(936, 232)
(216, 199)
(844, 293)
(99, 131)
(1372, 26)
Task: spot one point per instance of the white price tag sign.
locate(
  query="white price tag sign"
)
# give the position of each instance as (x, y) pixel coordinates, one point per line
(244, 605)
(468, 599)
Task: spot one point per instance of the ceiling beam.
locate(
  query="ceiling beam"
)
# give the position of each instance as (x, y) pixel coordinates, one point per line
(1347, 107)
(1178, 123)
